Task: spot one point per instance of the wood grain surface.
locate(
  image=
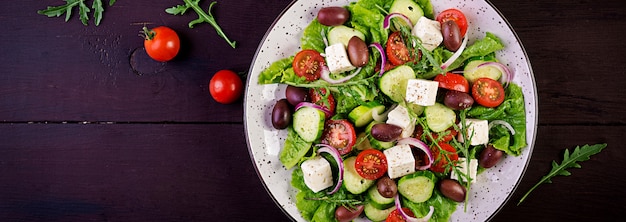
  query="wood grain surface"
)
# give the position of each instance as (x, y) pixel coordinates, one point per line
(91, 129)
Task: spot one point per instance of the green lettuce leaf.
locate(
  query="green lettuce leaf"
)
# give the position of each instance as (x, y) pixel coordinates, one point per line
(368, 19)
(294, 150)
(482, 47)
(312, 36)
(444, 207)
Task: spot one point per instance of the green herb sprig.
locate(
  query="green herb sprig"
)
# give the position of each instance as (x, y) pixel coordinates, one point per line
(83, 10)
(569, 161)
(202, 17)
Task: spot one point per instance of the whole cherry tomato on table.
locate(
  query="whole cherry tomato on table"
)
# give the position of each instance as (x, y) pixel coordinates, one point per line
(162, 43)
(226, 86)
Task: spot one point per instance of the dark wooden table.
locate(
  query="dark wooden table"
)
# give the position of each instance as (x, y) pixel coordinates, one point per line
(92, 130)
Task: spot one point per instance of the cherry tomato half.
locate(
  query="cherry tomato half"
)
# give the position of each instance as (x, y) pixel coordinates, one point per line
(455, 15)
(453, 81)
(441, 161)
(162, 43)
(488, 92)
(320, 97)
(226, 86)
(396, 50)
(308, 64)
(371, 164)
(395, 215)
(339, 134)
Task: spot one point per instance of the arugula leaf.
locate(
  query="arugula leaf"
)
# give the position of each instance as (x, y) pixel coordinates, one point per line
(202, 17)
(83, 10)
(580, 154)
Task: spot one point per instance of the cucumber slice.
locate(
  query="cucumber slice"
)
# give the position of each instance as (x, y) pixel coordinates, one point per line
(417, 187)
(376, 144)
(342, 34)
(472, 73)
(378, 201)
(352, 181)
(393, 82)
(439, 117)
(408, 8)
(375, 214)
(308, 122)
(362, 115)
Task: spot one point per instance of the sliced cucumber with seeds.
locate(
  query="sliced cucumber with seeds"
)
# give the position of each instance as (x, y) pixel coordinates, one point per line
(408, 8)
(393, 82)
(417, 187)
(308, 122)
(439, 117)
(352, 181)
(377, 200)
(472, 73)
(362, 115)
(375, 214)
(342, 34)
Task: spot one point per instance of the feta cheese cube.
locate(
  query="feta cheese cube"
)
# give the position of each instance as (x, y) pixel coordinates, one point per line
(400, 161)
(399, 116)
(477, 130)
(337, 59)
(317, 174)
(421, 92)
(462, 166)
(429, 31)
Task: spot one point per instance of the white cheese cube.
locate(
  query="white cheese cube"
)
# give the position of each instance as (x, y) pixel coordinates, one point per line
(462, 166)
(400, 161)
(399, 116)
(429, 31)
(337, 59)
(421, 92)
(477, 130)
(317, 174)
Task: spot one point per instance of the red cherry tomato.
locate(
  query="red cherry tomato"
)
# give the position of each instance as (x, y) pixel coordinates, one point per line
(226, 86)
(455, 15)
(308, 63)
(162, 43)
(453, 81)
(441, 161)
(396, 50)
(447, 134)
(395, 215)
(320, 97)
(488, 92)
(371, 164)
(339, 134)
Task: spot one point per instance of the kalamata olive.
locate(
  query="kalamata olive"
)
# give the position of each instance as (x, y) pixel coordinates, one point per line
(452, 189)
(344, 214)
(281, 114)
(451, 35)
(385, 132)
(332, 16)
(386, 187)
(490, 156)
(296, 95)
(457, 100)
(357, 52)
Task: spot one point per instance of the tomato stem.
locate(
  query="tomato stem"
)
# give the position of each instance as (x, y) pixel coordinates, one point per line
(147, 34)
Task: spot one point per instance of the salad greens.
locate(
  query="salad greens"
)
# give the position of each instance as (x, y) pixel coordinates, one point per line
(202, 17)
(367, 17)
(83, 9)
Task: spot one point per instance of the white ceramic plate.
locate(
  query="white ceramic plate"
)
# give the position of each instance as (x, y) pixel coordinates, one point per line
(493, 187)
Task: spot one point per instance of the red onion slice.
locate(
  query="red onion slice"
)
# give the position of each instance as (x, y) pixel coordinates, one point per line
(313, 105)
(387, 21)
(507, 75)
(335, 154)
(420, 145)
(383, 58)
(503, 123)
(408, 218)
(323, 33)
(326, 76)
(455, 55)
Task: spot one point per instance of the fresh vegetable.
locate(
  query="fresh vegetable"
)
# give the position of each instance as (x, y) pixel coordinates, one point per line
(352, 181)
(439, 117)
(83, 10)
(569, 161)
(226, 86)
(161, 43)
(488, 92)
(397, 52)
(202, 17)
(376, 214)
(417, 187)
(339, 134)
(456, 16)
(453, 81)
(409, 8)
(396, 215)
(323, 98)
(308, 64)
(393, 83)
(308, 122)
(371, 164)
(445, 157)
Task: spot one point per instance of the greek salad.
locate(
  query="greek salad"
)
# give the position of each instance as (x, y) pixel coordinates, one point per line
(391, 113)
